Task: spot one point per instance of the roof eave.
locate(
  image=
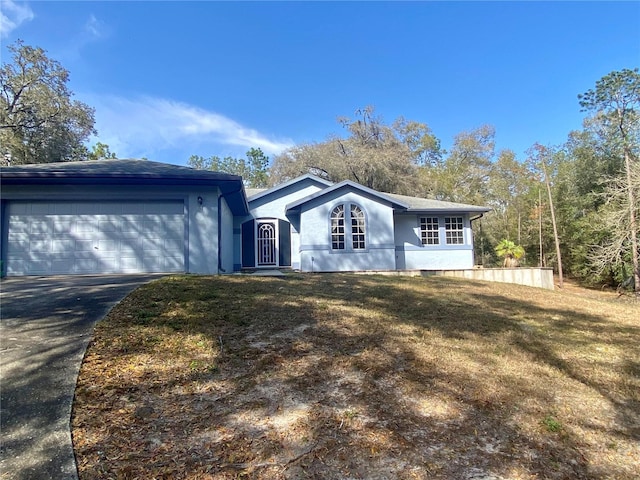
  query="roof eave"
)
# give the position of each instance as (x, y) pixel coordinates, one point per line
(449, 210)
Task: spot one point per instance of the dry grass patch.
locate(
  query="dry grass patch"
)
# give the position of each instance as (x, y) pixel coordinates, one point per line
(354, 377)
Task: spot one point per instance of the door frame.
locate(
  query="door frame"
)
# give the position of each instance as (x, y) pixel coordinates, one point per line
(276, 240)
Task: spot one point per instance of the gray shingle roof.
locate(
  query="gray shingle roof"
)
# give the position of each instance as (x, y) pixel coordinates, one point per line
(113, 168)
(427, 204)
(126, 172)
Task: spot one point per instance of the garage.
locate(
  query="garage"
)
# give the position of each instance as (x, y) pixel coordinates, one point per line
(117, 216)
(46, 238)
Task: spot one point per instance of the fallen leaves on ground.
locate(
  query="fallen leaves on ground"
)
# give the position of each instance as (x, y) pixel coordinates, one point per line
(359, 377)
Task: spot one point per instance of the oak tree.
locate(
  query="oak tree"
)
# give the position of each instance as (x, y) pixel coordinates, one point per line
(39, 120)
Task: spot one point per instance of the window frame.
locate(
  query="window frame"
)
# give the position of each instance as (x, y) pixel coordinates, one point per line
(454, 230)
(352, 231)
(358, 227)
(337, 230)
(429, 236)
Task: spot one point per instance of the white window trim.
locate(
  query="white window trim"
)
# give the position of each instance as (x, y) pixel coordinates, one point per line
(456, 230)
(426, 230)
(348, 228)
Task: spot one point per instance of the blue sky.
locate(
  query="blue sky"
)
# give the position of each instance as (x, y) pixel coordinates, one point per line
(172, 79)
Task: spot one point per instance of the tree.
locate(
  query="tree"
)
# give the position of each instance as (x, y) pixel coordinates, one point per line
(464, 174)
(377, 155)
(39, 121)
(258, 169)
(611, 252)
(253, 169)
(100, 151)
(508, 184)
(539, 156)
(511, 252)
(616, 97)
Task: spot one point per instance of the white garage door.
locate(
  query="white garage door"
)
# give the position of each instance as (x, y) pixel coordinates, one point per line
(46, 238)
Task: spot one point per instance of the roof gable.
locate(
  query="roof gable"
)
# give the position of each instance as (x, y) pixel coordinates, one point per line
(351, 186)
(302, 181)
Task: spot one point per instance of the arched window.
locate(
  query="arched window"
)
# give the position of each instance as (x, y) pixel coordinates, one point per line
(357, 233)
(357, 228)
(337, 228)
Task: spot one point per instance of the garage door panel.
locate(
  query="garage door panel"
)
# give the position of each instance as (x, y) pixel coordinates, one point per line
(39, 246)
(20, 243)
(108, 225)
(63, 248)
(88, 208)
(164, 208)
(39, 266)
(41, 208)
(62, 225)
(174, 264)
(62, 265)
(86, 265)
(108, 245)
(63, 209)
(18, 225)
(40, 226)
(83, 237)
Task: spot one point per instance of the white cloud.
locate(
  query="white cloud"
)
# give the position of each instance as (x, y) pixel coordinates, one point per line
(12, 15)
(150, 126)
(94, 28)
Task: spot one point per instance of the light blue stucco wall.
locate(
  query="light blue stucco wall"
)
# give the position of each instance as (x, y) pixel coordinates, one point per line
(201, 226)
(226, 237)
(315, 238)
(412, 255)
(274, 206)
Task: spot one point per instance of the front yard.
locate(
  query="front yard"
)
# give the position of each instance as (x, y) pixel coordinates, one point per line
(339, 376)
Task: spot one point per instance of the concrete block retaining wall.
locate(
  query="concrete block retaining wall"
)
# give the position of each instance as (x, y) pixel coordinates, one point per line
(531, 277)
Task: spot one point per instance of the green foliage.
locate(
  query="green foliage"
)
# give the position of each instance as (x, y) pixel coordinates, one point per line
(100, 151)
(552, 424)
(511, 252)
(616, 90)
(39, 121)
(463, 175)
(254, 170)
(616, 101)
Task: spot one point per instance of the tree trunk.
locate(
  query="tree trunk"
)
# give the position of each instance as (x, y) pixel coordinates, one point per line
(553, 222)
(632, 203)
(632, 222)
(541, 260)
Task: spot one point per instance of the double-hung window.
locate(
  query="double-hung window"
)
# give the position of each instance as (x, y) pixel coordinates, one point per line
(429, 231)
(341, 238)
(454, 230)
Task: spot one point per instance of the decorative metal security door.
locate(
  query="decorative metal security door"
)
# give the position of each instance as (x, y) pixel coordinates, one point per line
(267, 238)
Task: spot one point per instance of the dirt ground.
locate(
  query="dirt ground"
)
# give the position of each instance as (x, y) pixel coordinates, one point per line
(360, 377)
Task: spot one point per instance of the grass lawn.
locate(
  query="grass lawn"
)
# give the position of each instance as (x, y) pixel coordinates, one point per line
(339, 376)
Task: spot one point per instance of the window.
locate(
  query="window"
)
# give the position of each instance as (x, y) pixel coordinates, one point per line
(454, 230)
(337, 228)
(357, 227)
(429, 232)
(356, 236)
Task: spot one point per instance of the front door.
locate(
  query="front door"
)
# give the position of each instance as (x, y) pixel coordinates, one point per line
(267, 242)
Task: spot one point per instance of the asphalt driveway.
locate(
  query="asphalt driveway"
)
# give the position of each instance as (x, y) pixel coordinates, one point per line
(45, 326)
